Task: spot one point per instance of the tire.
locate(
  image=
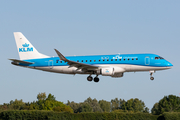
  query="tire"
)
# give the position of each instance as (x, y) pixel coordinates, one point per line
(96, 79)
(89, 78)
(152, 78)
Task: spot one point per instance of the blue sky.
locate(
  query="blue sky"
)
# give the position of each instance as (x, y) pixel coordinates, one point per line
(90, 27)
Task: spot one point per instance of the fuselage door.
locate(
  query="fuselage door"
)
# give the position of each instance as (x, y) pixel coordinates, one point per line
(50, 64)
(147, 60)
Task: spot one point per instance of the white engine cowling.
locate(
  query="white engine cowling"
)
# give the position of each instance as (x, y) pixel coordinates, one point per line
(114, 72)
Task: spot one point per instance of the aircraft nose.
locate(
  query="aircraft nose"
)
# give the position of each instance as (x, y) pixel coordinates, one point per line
(168, 64)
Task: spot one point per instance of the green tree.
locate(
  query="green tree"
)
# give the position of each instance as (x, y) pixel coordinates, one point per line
(74, 106)
(122, 101)
(134, 105)
(4, 107)
(34, 106)
(105, 105)
(51, 97)
(169, 103)
(63, 108)
(155, 110)
(17, 104)
(115, 104)
(85, 107)
(146, 110)
(41, 96)
(94, 104)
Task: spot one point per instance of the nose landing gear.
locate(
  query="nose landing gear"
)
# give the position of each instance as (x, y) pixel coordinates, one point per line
(151, 73)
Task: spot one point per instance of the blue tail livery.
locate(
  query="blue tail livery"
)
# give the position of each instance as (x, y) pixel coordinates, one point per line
(106, 65)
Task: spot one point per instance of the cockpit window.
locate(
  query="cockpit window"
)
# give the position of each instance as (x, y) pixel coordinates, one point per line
(156, 58)
(161, 57)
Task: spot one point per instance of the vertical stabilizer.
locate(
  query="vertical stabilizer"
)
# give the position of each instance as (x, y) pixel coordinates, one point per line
(25, 49)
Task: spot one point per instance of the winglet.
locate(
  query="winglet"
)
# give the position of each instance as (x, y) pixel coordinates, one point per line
(60, 55)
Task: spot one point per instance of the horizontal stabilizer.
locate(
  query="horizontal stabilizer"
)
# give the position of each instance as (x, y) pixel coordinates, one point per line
(20, 61)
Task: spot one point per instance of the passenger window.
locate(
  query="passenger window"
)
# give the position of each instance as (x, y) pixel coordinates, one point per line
(94, 60)
(107, 59)
(103, 60)
(111, 59)
(115, 59)
(61, 61)
(136, 58)
(77, 60)
(99, 60)
(132, 58)
(90, 60)
(119, 59)
(57, 61)
(128, 58)
(124, 59)
(86, 60)
(82, 61)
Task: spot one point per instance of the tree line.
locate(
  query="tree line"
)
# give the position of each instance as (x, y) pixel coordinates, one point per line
(169, 103)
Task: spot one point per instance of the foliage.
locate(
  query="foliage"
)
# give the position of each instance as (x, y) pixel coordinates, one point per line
(134, 105)
(43, 103)
(74, 106)
(117, 104)
(63, 108)
(46, 115)
(146, 110)
(92, 108)
(41, 96)
(105, 106)
(169, 103)
(85, 107)
(171, 115)
(155, 109)
(51, 97)
(94, 104)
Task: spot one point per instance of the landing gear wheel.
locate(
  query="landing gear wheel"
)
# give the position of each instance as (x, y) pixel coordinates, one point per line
(89, 78)
(152, 78)
(96, 79)
(151, 73)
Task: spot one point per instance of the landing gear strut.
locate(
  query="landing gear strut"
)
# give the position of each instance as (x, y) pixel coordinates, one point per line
(151, 73)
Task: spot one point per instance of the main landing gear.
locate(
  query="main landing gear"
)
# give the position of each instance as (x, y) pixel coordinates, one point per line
(151, 73)
(96, 79)
(89, 78)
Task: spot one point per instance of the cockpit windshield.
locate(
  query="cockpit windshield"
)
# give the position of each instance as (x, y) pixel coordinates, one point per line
(156, 58)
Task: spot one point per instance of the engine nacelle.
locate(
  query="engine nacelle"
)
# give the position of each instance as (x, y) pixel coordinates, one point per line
(107, 71)
(113, 72)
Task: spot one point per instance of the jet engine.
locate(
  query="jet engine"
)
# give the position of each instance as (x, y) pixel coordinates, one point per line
(111, 71)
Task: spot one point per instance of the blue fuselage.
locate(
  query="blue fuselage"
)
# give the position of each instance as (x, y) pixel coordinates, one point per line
(150, 60)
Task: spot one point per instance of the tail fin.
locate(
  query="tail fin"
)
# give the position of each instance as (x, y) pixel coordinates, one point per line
(25, 49)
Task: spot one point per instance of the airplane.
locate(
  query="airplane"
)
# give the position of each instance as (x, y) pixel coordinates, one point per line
(106, 65)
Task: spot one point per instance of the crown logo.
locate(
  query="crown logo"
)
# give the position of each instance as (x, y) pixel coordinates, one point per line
(25, 45)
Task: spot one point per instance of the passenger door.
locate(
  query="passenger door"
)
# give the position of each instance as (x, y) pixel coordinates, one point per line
(50, 64)
(147, 60)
